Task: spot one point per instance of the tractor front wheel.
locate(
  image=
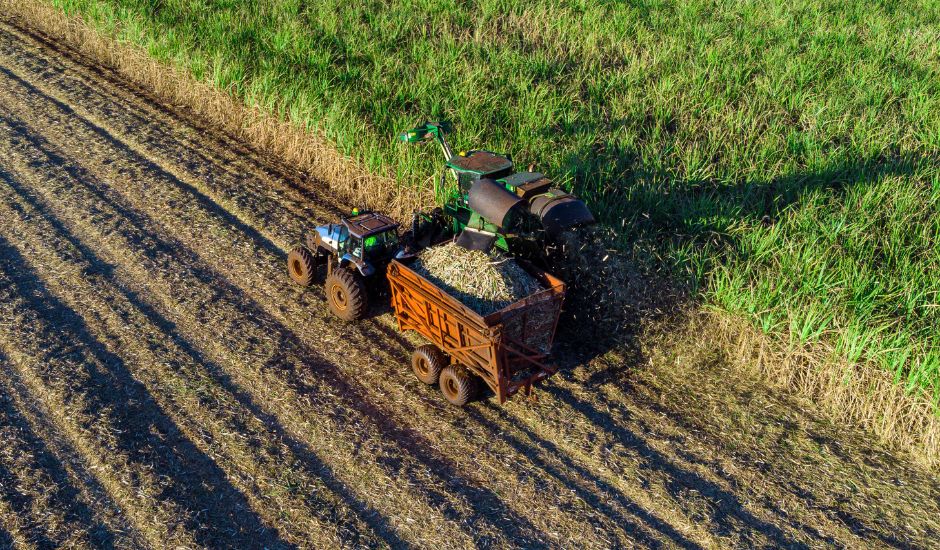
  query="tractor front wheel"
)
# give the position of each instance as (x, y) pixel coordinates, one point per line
(457, 385)
(427, 362)
(346, 294)
(301, 265)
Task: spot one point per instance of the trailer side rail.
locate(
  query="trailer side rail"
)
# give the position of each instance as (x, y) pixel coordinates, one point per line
(478, 343)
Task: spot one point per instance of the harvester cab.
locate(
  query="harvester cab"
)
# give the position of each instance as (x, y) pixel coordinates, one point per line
(356, 252)
(490, 204)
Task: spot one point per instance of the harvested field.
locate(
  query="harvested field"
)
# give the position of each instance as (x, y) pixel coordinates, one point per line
(163, 384)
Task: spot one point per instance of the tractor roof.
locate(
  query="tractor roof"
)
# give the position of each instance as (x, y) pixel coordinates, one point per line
(369, 223)
(480, 162)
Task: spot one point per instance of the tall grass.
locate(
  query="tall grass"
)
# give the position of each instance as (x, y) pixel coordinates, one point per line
(780, 156)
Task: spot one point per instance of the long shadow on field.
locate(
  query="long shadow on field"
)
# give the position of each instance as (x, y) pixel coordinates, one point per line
(595, 499)
(6, 539)
(629, 510)
(729, 507)
(485, 504)
(65, 496)
(23, 130)
(647, 205)
(656, 212)
(375, 521)
(139, 427)
(302, 183)
(662, 211)
(21, 505)
(796, 487)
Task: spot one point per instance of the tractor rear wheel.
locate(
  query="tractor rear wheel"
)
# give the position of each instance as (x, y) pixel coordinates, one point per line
(346, 294)
(458, 385)
(301, 265)
(427, 362)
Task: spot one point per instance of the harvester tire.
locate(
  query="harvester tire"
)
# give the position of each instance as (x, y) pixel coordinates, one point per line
(427, 362)
(457, 385)
(301, 266)
(346, 294)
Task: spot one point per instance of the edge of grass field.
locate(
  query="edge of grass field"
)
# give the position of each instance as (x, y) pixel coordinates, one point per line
(860, 394)
(296, 147)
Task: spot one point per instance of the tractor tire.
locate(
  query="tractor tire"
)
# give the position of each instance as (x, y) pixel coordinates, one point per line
(458, 385)
(427, 362)
(346, 294)
(301, 266)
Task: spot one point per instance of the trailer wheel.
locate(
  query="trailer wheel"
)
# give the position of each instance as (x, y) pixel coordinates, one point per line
(427, 362)
(457, 385)
(346, 294)
(301, 265)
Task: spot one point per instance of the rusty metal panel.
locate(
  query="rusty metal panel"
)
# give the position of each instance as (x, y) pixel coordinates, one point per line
(482, 344)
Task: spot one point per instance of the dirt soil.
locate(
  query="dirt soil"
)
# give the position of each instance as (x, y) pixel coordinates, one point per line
(163, 384)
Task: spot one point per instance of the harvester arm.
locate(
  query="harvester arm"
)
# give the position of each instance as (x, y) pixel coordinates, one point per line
(429, 131)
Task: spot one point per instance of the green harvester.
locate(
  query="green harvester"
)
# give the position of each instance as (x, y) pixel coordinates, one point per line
(492, 205)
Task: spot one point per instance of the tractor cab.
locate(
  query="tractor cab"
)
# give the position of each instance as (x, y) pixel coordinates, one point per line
(370, 241)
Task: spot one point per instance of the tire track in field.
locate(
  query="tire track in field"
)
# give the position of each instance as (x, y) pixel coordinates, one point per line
(54, 510)
(111, 230)
(196, 223)
(159, 477)
(232, 434)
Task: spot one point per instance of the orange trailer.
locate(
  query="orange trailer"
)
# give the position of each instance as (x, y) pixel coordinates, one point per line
(508, 350)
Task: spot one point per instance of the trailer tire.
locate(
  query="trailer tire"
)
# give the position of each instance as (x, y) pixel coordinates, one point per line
(346, 294)
(457, 385)
(427, 362)
(301, 265)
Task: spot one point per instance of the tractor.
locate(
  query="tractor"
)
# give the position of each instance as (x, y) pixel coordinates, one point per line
(356, 253)
(491, 205)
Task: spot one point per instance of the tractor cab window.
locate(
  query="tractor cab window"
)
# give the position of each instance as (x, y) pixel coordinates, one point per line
(381, 244)
(340, 233)
(354, 246)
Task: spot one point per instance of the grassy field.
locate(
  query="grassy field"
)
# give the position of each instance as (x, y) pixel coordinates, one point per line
(779, 157)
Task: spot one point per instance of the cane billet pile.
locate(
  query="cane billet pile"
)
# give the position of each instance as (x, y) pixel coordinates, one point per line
(483, 283)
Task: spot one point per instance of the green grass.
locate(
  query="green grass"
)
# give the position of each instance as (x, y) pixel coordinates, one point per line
(780, 156)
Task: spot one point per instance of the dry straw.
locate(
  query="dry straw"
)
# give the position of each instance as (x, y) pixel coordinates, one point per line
(850, 394)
